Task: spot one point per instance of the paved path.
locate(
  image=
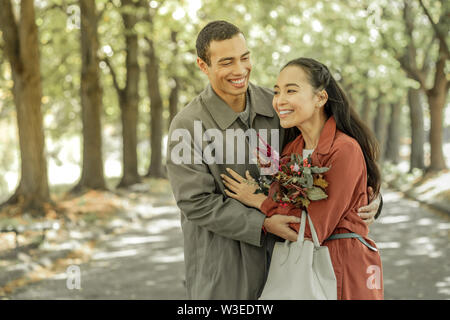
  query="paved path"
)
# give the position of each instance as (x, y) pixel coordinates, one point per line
(146, 262)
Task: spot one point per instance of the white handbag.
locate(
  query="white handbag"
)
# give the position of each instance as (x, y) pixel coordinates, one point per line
(300, 270)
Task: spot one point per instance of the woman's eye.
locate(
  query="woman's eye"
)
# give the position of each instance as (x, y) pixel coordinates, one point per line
(291, 91)
(275, 93)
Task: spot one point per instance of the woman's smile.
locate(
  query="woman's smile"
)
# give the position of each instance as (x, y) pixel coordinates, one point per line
(284, 113)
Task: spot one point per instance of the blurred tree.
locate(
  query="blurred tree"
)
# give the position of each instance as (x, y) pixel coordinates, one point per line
(21, 47)
(381, 126)
(128, 96)
(417, 55)
(417, 129)
(152, 71)
(392, 147)
(175, 79)
(91, 92)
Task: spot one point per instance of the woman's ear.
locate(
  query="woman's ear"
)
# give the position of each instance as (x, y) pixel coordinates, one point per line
(322, 97)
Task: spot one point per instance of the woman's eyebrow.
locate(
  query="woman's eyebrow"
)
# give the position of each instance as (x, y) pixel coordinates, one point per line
(292, 84)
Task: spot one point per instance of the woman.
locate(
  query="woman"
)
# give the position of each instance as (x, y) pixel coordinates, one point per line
(308, 100)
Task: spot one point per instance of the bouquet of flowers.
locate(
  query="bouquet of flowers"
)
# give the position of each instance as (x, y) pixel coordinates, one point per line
(299, 181)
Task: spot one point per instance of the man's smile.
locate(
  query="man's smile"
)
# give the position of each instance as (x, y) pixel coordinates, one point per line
(238, 83)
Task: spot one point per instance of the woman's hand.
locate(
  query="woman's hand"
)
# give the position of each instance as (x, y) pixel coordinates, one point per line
(243, 189)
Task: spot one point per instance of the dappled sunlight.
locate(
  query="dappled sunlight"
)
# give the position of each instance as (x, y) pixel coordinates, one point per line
(432, 187)
(444, 286)
(424, 222)
(388, 245)
(114, 254)
(394, 219)
(392, 196)
(443, 226)
(414, 247)
(403, 262)
(124, 241)
(159, 226)
(148, 211)
(168, 256)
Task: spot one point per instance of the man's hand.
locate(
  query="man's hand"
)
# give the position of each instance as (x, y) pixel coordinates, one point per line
(242, 189)
(367, 213)
(279, 225)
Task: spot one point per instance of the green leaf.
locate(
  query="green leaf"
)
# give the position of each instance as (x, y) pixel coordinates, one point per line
(315, 194)
(319, 170)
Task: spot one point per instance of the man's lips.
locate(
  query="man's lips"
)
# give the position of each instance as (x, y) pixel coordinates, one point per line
(238, 83)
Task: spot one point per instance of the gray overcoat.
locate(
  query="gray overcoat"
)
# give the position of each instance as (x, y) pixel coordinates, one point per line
(225, 250)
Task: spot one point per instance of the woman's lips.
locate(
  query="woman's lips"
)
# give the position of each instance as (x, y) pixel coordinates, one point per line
(284, 113)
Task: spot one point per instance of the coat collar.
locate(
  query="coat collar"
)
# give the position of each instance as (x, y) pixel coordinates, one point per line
(327, 136)
(224, 115)
(325, 141)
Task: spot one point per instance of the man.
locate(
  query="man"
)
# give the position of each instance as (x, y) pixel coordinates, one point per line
(226, 252)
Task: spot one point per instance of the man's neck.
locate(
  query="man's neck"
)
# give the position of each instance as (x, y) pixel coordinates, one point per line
(236, 103)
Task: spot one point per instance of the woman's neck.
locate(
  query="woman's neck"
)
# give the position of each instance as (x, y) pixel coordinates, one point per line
(312, 128)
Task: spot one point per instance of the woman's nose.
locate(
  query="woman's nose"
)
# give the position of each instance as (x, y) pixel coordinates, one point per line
(281, 101)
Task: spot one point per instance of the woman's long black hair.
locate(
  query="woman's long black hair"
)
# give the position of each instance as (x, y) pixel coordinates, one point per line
(347, 120)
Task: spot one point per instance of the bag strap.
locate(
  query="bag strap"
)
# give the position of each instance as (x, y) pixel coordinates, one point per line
(301, 233)
(351, 235)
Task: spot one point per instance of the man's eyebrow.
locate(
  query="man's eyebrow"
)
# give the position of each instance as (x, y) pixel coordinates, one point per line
(224, 59)
(232, 58)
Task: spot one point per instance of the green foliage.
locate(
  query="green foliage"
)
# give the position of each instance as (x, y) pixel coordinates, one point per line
(358, 40)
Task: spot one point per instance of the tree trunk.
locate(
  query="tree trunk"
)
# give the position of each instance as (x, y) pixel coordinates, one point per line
(92, 175)
(22, 50)
(393, 140)
(365, 111)
(437, 97)
(380, 128)
(129, 101)
(156, 107)
(417, 129)
(173, 100)
(175, 89)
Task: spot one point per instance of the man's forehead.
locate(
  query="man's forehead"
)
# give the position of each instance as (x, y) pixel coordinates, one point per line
(234, 47)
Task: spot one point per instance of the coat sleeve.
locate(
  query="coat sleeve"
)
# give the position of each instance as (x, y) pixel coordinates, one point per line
(347, 185)
(201, 202)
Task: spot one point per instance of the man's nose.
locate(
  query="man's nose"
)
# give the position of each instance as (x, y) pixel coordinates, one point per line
(239, 69)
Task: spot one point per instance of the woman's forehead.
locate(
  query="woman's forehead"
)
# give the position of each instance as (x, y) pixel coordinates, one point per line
(292, 74)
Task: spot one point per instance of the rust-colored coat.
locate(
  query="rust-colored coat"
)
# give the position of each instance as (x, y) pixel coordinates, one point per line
(358, 269)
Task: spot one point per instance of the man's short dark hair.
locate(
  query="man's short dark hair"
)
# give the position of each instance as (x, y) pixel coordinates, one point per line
(214, 31)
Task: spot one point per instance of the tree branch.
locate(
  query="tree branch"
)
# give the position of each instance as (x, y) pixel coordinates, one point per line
(436, 29)
(114, 76)
(10, 31)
